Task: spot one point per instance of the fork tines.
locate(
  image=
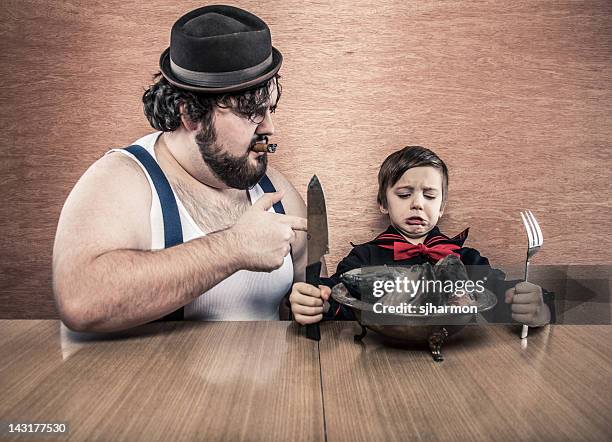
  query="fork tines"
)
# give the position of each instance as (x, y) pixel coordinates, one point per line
(534, 233)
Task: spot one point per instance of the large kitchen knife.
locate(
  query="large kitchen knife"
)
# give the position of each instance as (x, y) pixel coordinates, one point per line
(317, 241)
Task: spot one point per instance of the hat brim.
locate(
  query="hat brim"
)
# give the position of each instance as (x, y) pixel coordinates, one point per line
(164, 65)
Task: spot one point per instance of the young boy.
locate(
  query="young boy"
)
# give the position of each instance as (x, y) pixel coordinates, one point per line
(412, 191)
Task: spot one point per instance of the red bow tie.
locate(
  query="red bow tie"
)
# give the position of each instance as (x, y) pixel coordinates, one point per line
(435, 247)
(406, 250)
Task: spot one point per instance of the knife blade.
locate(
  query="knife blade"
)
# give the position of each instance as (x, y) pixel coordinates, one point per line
(317, 241)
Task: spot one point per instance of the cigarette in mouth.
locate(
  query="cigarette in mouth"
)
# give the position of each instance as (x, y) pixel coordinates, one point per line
(263, 146)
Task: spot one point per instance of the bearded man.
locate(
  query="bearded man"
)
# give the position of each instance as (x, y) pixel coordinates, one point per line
(189, 221)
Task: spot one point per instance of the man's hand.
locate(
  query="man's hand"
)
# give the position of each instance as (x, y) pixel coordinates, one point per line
(527, 304)
(307, 302)
(264, 238)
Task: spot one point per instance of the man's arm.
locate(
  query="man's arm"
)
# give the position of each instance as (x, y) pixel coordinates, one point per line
(106, 279)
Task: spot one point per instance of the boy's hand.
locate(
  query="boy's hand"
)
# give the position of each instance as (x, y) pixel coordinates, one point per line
(307, 302)
(527, 304)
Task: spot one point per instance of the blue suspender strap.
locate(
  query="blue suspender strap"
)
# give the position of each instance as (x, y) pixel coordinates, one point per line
(173, 232)
(268, 187)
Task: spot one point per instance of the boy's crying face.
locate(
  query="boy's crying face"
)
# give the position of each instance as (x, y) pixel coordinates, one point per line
(414, 203)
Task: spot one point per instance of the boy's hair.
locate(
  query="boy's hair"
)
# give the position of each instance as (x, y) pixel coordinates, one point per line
(396, 164)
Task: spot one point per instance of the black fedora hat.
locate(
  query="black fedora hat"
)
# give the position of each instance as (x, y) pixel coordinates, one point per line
(218, 49)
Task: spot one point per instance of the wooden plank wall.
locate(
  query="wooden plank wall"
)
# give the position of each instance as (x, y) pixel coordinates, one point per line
(514, 95)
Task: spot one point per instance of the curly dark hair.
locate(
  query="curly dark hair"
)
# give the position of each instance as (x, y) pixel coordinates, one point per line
(162, 102)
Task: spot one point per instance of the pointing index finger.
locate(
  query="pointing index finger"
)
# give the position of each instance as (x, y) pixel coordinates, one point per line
(295, 222)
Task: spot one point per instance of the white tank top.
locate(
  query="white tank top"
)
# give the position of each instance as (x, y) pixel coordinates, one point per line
(243, 296)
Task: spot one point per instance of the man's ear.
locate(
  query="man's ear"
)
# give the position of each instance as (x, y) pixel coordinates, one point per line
(442, 207)
(189, 124)
(383, 209)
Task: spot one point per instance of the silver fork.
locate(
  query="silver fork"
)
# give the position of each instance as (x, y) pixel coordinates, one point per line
(535, 240)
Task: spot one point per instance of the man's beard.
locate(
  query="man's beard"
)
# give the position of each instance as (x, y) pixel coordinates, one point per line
(235, 172)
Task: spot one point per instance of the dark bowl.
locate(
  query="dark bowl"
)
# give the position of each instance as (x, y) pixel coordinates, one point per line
(402, 327)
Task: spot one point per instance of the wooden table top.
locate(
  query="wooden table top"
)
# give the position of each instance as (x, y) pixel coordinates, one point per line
(165, 381)
(265, 380)
(489, 387)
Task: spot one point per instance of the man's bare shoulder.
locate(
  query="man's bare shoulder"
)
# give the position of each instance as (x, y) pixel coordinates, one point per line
(108, 208)
(119, 165)
(115, 179)
(292, 201)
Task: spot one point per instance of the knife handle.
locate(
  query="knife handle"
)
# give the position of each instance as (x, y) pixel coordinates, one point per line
(313, 277)
(313, 332)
